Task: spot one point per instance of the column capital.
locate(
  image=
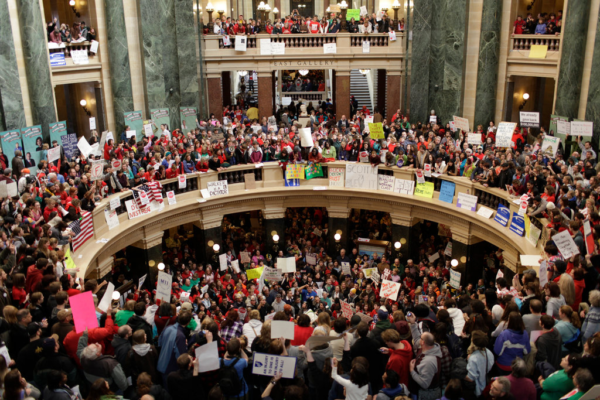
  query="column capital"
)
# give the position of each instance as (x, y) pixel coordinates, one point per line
(342, 72)
(338, 207)
(273, 213)
(150, 240)
(103, 267)
(405, 218)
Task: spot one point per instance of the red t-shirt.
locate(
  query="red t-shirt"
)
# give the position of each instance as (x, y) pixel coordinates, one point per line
(519, 27)
(314, 27)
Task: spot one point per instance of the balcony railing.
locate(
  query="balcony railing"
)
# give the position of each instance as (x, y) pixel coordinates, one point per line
(347, 45)
(68, 50)
(308, 96)
(524, 42)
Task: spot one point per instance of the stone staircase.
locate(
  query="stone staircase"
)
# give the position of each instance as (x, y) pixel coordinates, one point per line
(359, 88)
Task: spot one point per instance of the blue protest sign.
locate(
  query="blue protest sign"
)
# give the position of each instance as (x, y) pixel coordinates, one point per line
(502, 215)
(517, 225)
(447, 191)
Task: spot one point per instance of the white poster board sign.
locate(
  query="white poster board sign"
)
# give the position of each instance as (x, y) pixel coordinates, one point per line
(565, 244)
(461, 123)
(269, 365)
(217, 188)
(306, 137)
(455, 279)
(504, 134)
(163, 287)
(286, 265)
(329, 48)
(389, 290)
(529, 119)
(240, 43)
(582, 128)
(386, 182)
(361, 176)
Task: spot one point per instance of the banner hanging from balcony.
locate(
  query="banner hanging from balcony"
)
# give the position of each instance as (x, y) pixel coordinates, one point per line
(314, 171)
(11, 141)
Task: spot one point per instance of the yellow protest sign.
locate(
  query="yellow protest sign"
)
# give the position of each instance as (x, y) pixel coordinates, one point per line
(69, 262)
(424, 190)
(376, 130)
(294, 171)
(527, 225)
(538, 51)
(254, 273)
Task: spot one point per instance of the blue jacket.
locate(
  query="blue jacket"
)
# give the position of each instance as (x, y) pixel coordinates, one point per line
(189, 167)
(172, 343)
(510, 345)
(591, 324)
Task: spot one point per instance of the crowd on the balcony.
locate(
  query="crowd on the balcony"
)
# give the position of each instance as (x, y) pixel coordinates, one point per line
(77, 33)
(544, 24)
(295, 23)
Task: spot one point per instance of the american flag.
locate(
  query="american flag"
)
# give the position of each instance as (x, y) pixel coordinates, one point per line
(83, 229)
(152, 189)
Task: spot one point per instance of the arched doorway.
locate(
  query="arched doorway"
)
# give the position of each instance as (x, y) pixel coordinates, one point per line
(306, 8)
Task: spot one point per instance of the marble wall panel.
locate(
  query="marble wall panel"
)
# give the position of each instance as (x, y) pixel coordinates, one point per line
(186, 52)
(592, 112)
(419, 78)
(11, 99)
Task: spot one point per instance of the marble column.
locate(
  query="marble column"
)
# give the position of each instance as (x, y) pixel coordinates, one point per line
(141, 254)
(265, 94)
(118, 60)
(215, 95)
(186, 53)
(447, 56)
(37, 67)
(419, 82)
(341, 94)
(394, 82)
(489, 59)
(11, 97)
(574, 34)
(99, 108)
(508, 99)
(161, 62)
(592, 111)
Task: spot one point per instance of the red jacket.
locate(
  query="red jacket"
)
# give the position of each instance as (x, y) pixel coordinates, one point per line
(103, 336)
(399, 362)
(34, 276)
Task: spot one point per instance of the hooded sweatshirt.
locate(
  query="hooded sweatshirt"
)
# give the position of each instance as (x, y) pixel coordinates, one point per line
(426, 367)
(567, 330)
(399, 361)
(511, 344)
(458, 320)
(391, 394)
(252, 329)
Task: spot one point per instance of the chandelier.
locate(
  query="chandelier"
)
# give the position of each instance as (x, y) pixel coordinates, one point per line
(364, 71)
(303, 72)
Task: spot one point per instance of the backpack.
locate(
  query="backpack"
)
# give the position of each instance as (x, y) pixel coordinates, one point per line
(455, 346)
(229, 381)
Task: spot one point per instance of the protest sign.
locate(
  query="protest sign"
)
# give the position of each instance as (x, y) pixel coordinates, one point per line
(188, 117)
(427, 170)
(171, 198)
(424, 190)
(565, 244)
(306, 139)
(163, 287)
(97, 170)
(33, 148)
(133, 211)
(53, 154)
(432, 258)
(538, 51)
(467, 202)
(376, 130)
(286, 264)
(386, 182)
(517, 224)
(112, 219)
(282, 329)
(182, 181)
(563, 127)
(272, 274)
(311, 259)
(209, 354)
(448, 250)
(141, 281)
(352, 13)
(361, 176)
(366, 46)
(223, 262)
(336, 177)
(346, 268)
(502, 215)
(84, 311)
(589, 237)
(461, 123)
(249, 181)
(455, 279)
(543, 274)
(447, 191)
(347, 311)
(329, 48)
(134, 119)
(485, 212)
(550, 146)
(389, 290)
(269, 365)
(504, 134)
(217, 188)
(254, 273)
(240, 43)
(529, 260)
(582, 128)
(529, 119)
(245, 257)
(285, 101)
(84, 147)
(404, 186)
(235, 264)
(107, 298)
(474, 139)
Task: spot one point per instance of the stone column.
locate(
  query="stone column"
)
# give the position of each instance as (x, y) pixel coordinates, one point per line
(144, 256)
(265, 94)
(186, 53)
(341, 94)
(103, 269)
(419, 81)
(118, 59)
(394, 88)
(274, 223)
(226, 79)
(99, 108)
(215, 98)
(205, 239)
(470, 259)
(381, 91)
(37, 67)
(574, 34)
(161, 59)
(489, 59)
(508, 99)
(11, 98)
(404, 231)
(592, 111)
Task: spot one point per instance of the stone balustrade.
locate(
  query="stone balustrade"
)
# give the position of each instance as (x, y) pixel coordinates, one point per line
(308, 96)
(524, 42)
(270, 186)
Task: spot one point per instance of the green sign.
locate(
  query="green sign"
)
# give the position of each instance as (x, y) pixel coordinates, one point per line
(353, 13)
(314, 171)
(188, 117)
(133, 119)
(11, 141)
(33, 144)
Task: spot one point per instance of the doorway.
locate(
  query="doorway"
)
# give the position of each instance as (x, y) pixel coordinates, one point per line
(306, 8)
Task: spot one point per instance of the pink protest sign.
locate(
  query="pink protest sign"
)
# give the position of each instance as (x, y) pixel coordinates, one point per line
(84, 312)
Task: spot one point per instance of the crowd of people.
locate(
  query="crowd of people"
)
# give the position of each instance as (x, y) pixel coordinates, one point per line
(493, 338)
(77, 33)
(295, 23)
(544, 24)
